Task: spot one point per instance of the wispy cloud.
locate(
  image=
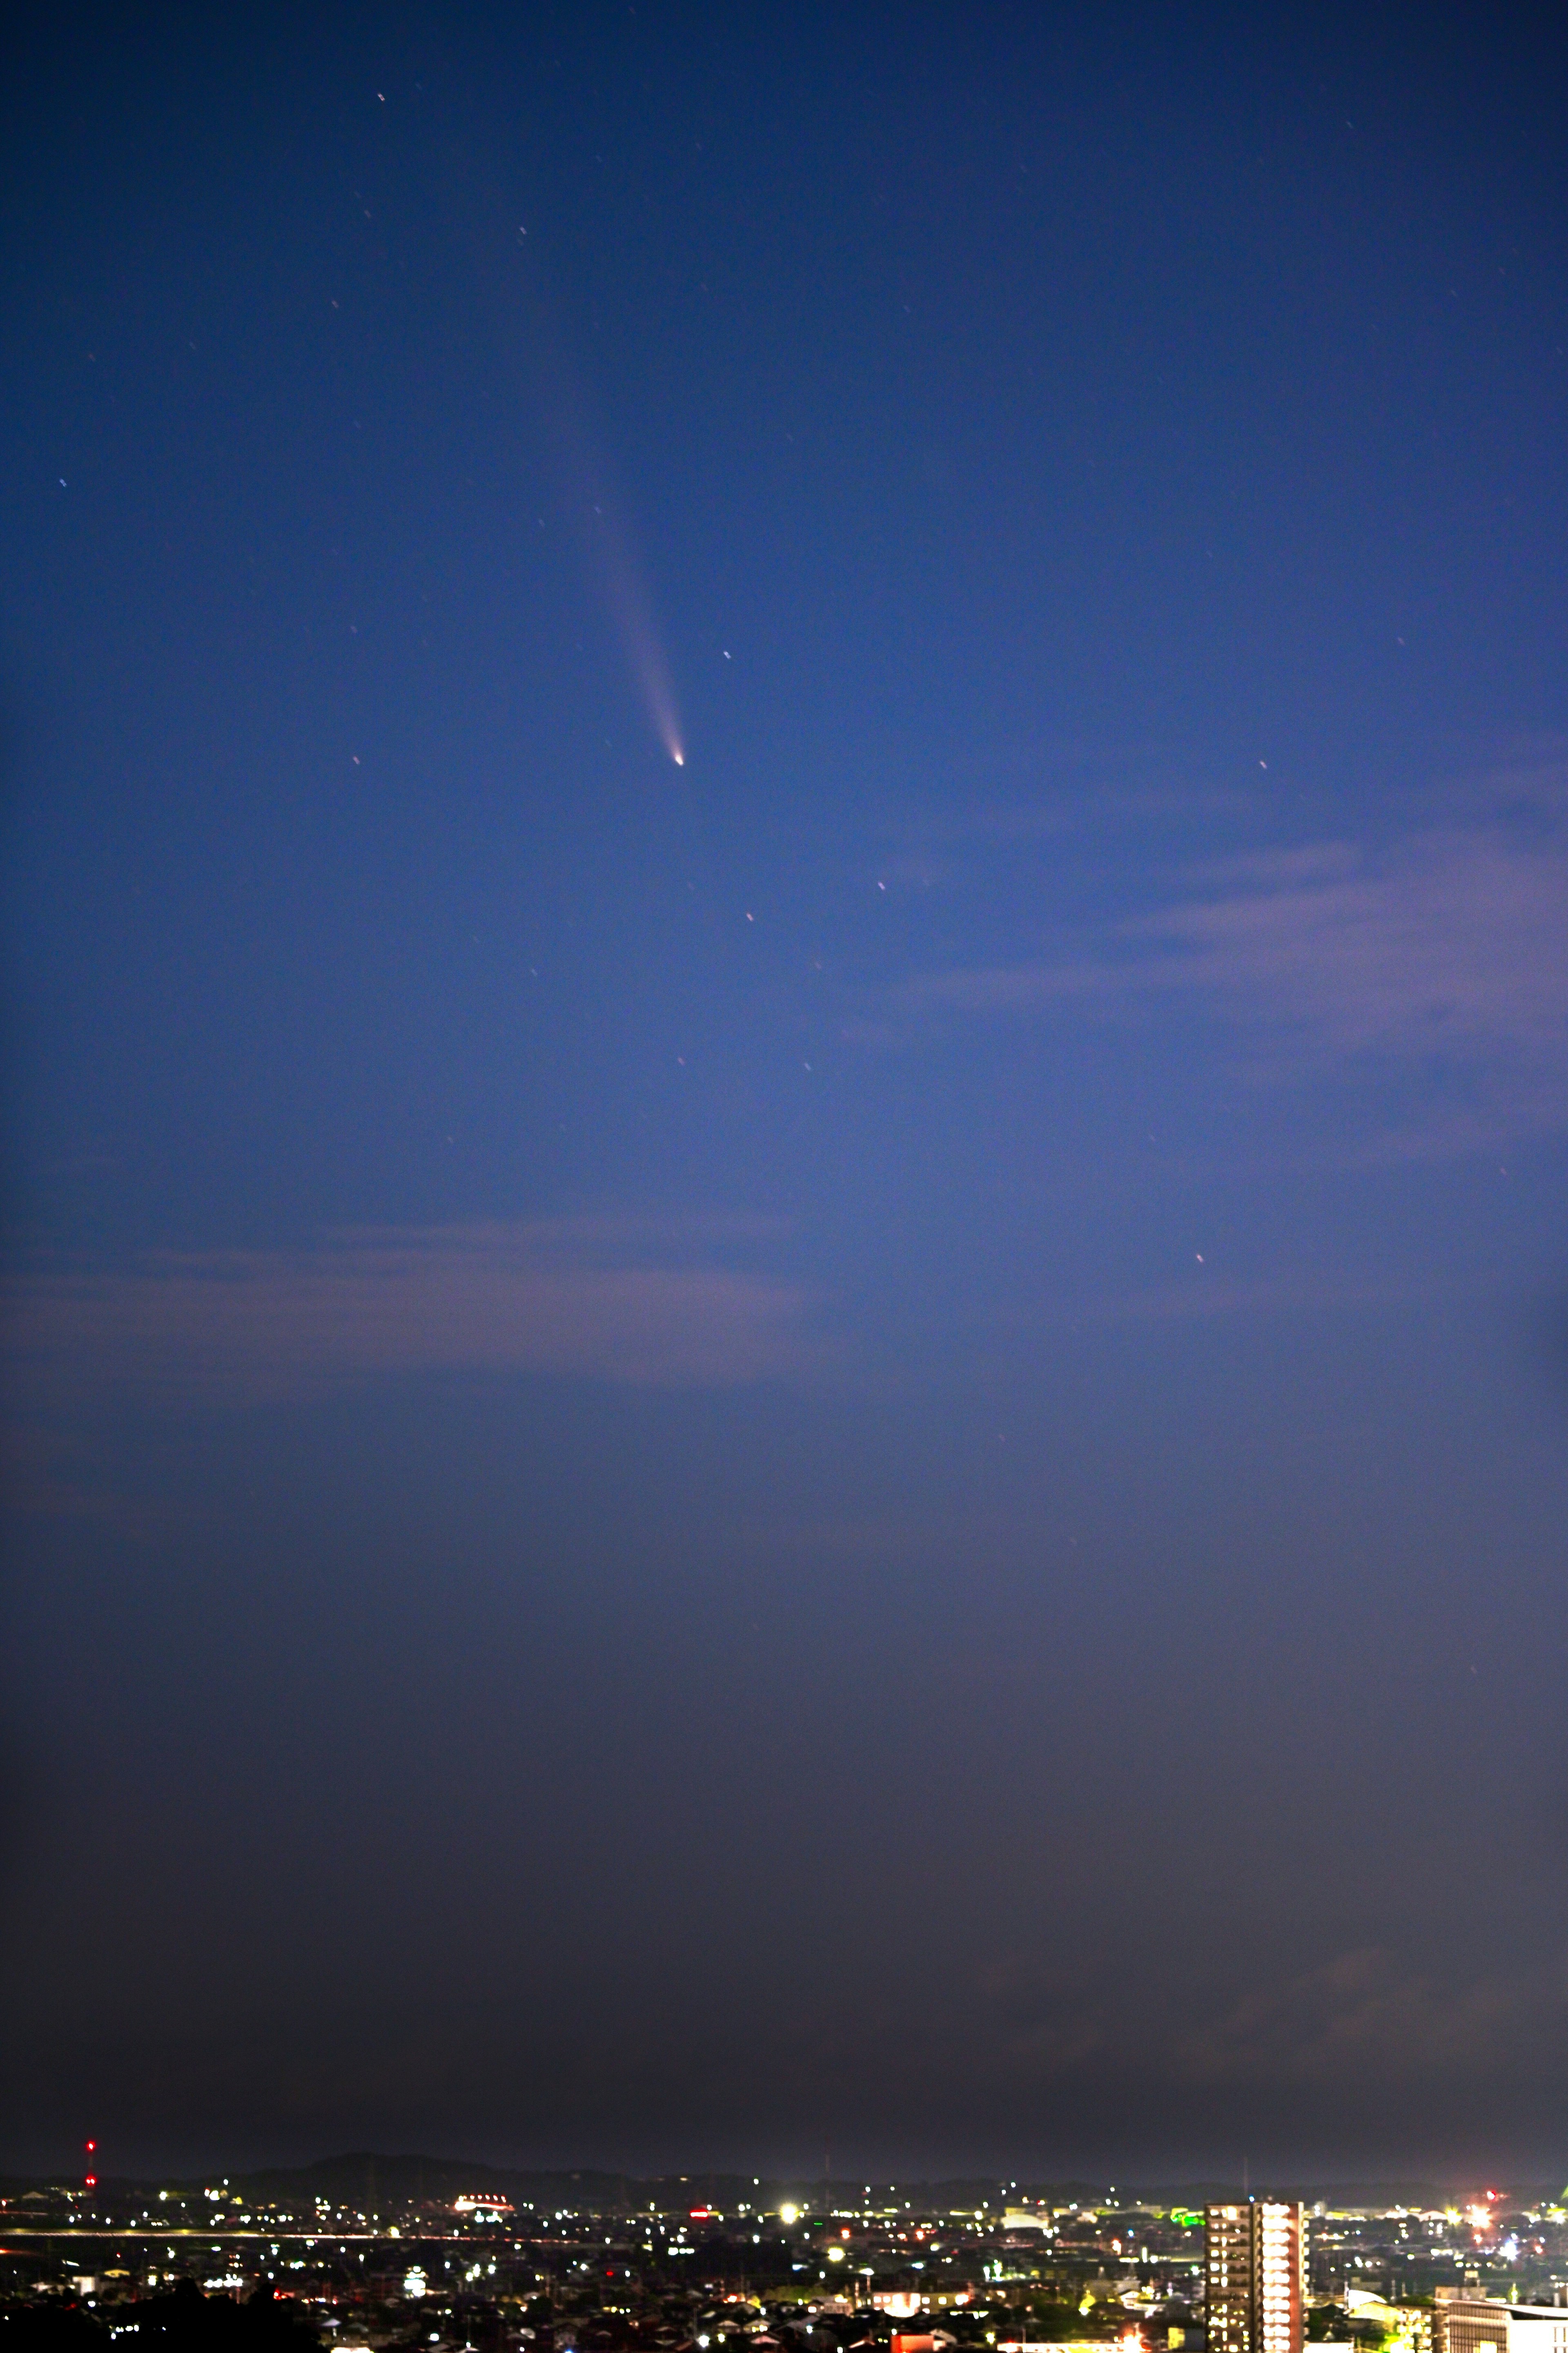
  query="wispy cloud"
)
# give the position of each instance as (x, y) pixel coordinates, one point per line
(1008, 989)
(1362, 2023)
(611, 1299)
(1200, 1297)
(1360, 2016)
(1457, 943)
(1448, 950)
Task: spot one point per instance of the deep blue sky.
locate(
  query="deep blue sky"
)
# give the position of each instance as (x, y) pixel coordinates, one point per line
(861, 1444)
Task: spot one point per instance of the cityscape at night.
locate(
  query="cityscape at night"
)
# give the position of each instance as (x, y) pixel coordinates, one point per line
(371, 2252)
(783, 1274)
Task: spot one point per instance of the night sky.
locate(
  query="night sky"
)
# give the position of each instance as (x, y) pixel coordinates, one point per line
(787, 960)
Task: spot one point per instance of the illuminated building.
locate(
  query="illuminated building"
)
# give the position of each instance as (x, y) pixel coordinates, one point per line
(481, 2206)
(1255, 2277)
(1464, 2322)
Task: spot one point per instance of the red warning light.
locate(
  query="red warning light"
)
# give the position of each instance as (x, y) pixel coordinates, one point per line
(92, 2181)
(90, 2147)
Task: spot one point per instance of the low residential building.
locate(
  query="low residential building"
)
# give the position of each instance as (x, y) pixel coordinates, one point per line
(1464, 2322)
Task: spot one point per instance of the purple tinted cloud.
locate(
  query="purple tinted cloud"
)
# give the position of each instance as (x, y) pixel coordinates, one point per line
(1361, 2020)
(1460, 943)
(1360, 2015)
(1452, 949)
(552, 1298)
(1327, 1293)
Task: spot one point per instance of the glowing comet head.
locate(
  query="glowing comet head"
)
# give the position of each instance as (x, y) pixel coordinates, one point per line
(678, 757)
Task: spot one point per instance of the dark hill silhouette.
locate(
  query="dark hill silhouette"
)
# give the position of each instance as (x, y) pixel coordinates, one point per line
(1332, 2193)
(373, 2183)
(42, 2328)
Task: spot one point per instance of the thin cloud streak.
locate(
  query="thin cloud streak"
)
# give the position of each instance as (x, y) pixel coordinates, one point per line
(1200, 1298)
(1450, 952)
(1461, 946)
(1360, 2014)
(1362, 2017)
(251, 1325)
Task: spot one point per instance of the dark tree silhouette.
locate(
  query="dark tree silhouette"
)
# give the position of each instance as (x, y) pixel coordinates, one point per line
(184, 2321)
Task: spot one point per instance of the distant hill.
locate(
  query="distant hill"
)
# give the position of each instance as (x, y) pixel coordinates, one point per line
(374, 2182)
(378, 2183)
(366, 2178)
(1332, 2193)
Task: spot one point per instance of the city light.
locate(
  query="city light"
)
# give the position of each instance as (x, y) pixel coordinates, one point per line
(1437, 2281)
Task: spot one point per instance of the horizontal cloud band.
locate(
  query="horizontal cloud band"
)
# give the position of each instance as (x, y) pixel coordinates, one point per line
(1450, 949)
(262, 1323)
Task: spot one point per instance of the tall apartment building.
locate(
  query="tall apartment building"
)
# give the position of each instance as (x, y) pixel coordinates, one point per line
(1256, 2277)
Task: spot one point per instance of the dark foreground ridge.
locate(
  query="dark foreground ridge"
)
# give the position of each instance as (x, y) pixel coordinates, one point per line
(184, 2321)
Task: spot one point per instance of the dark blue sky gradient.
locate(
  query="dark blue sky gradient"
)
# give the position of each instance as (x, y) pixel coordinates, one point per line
(860, 1445)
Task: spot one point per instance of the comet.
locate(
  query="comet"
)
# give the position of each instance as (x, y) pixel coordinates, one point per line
(592, 510)
(630, 610)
